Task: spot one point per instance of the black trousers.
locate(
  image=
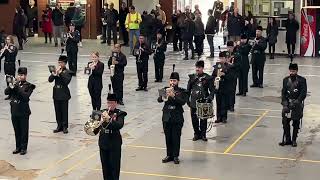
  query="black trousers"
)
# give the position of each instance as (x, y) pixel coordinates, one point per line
(186, 45)
(112, 29)
(73, 59)
(142, 71)
(158, 68)
(291, 48)
(111, 162)
(21, 131)
(257, 73)
(117, 85)
(287, 131)
(272, 48)
(172, 133)
(104, 33)
(61, 109)
(46, 35)
(125, 34)
(232, 95)
(79, 28)
(222, 106)
(198, 130)
(95, 94)
(198, 41)
(20, 40)
(9, 69)
(243, 80)
(176, 38)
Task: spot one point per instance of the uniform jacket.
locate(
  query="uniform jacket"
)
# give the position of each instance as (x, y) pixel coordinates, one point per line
(20, 96)
(122, 63)
(200, 87)
(244, 50)
(72, 43)
(95, 79)
(144, 57)
(225, 84)
(10, 54)
(258, 54)
(61, 90)
(173, 108)
(112, 139)
(159, 53)
(293, 94)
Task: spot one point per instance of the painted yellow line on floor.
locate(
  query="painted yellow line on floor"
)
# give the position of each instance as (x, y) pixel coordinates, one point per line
(79, 150)
(157, 175)
(245, 132)
(260, 109)
(229, 154)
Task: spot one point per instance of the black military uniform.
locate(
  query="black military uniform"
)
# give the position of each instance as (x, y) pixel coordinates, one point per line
(258, 60)
(159, 59)
(9, 53)
(172, 120)
(223, 89)
(200, 86)
(118, 77)
(294, 91)
(244, 50)
(110, 142)
(72, 50)
(20, 93)
(95, 85)
(61, 96)
(142, 65)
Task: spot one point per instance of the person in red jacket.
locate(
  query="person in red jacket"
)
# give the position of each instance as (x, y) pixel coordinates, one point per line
(47, 24)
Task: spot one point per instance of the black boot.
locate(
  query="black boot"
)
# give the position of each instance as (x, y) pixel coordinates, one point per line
(196, 137)
(294, 137)
(167, 159)
(286, 141)
(176, 160)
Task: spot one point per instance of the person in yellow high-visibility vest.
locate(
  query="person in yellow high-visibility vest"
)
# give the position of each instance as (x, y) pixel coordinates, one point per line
(133, 21)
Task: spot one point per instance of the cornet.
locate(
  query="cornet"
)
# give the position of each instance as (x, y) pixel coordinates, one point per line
(218, 78)
(112, 67)
(97, 119)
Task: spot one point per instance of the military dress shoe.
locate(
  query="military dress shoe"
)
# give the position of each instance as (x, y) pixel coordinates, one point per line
(139, 89)
(65, 131)
(195, 138)
(218, 121)
(231, 109)
(57, 130)
(244, 94)
(224, 121)
(176, 160)
(23, 152)
(145, 89)
(17, 151)
(260, 86)
(185, 58)
(294, 144)
(239, 94)
(287, 143)
(204, 138)
(167, 159)
(121, 102)
(253, 85)
(103, 42)
(7, 98)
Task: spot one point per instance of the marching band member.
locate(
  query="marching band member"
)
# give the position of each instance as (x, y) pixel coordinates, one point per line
(159, 57)
(244, 50)
(20, 92)
(294, 92)
(142, 53)
(258, 58)
(61, 93)
(120, 62)
(200, 86)
(73, 38)
(95, 80)
(222, 78)
(110, 139)
(172, 117)
(9, 52)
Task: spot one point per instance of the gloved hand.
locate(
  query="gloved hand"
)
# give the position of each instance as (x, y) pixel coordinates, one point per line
(285, 109)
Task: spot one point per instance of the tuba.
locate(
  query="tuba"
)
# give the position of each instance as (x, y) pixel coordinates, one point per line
(91, 127)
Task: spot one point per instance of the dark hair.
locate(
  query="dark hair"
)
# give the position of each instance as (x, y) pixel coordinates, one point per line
(210, 11)
(274, 23)
(132, 7)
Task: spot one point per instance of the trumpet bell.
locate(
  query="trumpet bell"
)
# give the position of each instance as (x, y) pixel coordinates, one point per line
(91, 126)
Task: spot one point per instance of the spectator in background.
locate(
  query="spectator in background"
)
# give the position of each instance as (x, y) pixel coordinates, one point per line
(69, 15)
(250, 28)
(188, 30)
(197, 10)
(18, 26)
(133, 21)
(112, 19)
(79, 20)
(210, 31)
(235, 25)
(224, 25)
(58, 28)
(123, 12)
(176, 31)
(292, 27)
(105, 12)
(160, 14)
(272, 35)
(32, 13)
(47, 24)
(199, 35)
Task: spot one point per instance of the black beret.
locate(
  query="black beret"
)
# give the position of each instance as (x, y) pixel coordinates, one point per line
(22, 70)
(200, 63)
(112, 97)
(259, 28)
(244, 36)
(293, 66)
(230, 43)
(63, 58)
(223, 54)
(175, 75)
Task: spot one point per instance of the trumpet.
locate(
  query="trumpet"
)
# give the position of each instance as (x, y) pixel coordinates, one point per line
(112, 68)
(218, 79)
(97, 119)
(165, 93)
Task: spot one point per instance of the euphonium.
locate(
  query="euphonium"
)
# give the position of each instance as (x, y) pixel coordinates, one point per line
(91, 126)
(217, 79)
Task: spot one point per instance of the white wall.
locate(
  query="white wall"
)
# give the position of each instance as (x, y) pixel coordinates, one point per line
(144, 5)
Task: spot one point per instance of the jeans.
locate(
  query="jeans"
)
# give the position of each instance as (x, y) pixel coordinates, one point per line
(58, 32)
(132, 33)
